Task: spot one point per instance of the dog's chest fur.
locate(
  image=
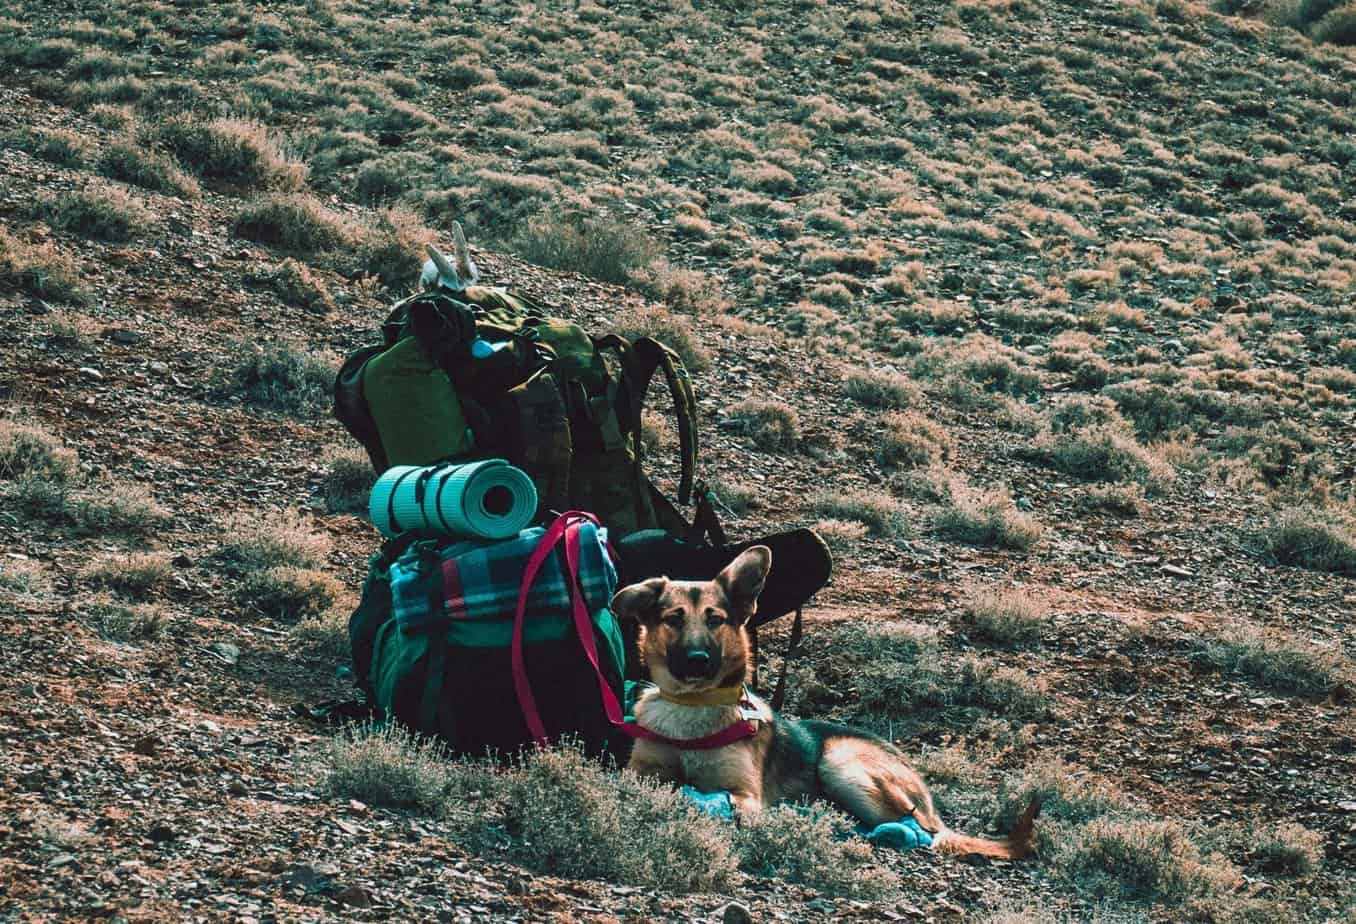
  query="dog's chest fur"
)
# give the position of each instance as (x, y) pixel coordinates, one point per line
(729, 767)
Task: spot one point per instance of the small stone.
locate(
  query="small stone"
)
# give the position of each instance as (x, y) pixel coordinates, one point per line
(354, 897)
(60, 860)
(735, 913)
(124, 335)
(1176, 571)
(158, 367)
(237, 788)
(1347, 806)
(162, 833)
(1202, 769)
(90, 372)
(226, 651)
(147, 746)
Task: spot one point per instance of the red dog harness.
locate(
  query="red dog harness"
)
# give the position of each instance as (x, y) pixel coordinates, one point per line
(566, 527)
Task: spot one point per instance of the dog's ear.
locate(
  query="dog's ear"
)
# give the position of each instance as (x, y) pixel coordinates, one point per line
(639, 602)
(743, 579)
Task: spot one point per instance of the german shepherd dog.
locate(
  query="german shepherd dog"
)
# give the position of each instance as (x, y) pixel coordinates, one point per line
(694, 641)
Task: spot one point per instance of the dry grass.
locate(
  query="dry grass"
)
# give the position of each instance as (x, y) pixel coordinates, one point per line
(985, 518)
(882, 389)
(136, 575)
(40, 269)
(908, 439)
(254, 542)
(1005, 617)
(99, 211)
(1308, 537)
(881, 514)
(1275, 660)
(230, 152)
(29, 451)
(282, 377)
(770, 425)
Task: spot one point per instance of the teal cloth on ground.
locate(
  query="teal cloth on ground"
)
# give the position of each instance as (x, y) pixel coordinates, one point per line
(712, 803)
(905, 834)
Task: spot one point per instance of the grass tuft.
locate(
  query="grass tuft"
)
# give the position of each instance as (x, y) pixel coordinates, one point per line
(985, 518)
(771, 425)
(1307, 537)
(604, 249)
(39, 269)
(1274, 660)
(814, 847)
(879, 512)
(280, 376)
(1005, 617)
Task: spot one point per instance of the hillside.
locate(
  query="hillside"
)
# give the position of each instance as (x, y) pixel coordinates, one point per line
(1043, 313)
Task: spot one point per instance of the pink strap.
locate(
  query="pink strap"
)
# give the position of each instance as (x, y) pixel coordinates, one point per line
(545, 546)
(567, 526)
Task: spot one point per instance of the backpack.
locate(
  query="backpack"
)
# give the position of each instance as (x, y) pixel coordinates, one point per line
(539, 393)
(533, 654)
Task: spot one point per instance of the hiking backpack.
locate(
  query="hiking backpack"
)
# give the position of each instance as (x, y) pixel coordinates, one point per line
(490, 645)
(488, 373)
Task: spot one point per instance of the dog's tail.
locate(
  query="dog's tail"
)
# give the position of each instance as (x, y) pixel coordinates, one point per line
(1018, 845)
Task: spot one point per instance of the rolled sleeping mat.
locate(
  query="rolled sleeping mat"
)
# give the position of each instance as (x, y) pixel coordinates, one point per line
(489, 499)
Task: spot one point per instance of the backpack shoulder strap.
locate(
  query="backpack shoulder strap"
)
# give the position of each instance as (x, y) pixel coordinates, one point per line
(648, 355)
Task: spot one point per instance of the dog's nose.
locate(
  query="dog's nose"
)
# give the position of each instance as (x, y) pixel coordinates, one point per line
(698, 658)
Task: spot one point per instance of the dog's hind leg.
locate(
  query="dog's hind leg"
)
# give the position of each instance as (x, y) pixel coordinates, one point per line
(874, 784)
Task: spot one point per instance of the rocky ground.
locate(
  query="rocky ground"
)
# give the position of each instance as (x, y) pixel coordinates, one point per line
(174, 776)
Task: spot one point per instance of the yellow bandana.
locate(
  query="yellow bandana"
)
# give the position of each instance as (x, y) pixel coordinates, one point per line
(721, 696)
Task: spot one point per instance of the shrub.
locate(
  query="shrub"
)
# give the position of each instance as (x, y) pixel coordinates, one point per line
(24, 576)
(689, 292)
(1102, 453)
(882, 514)
(736, 497)
(604, 249)
(133, 575)
(841, 534)
(99, 211)
(1148, 861)
(771, 425)
(347, 482)
(116, 508)
(296, 284)
(295, 222)
(231, 152)
(287, 593)
(1288, 849)
(1005, 617)
(1274, 660)
(29, 451)
(280, 376)
(130, 163)
(1122, 500)
(39, 269)
(985, 518)
(910, 439)
(1307, 537)
(1004, 690)
(117, 622)
(387, 766)
(672, 330)
(1338, 27)
(392, 248)
(562, 813)
(897, 667)
(57, 146)
(326, 634)
(882, 389)
(814, 847)
(1067, 798)
(276, 539)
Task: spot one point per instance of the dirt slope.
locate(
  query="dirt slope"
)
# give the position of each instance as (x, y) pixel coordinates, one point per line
(1143, 212)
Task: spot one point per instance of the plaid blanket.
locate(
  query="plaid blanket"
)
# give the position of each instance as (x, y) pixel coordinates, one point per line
(481, 580)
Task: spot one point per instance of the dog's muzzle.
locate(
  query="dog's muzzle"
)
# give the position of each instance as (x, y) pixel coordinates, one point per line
(693, 663)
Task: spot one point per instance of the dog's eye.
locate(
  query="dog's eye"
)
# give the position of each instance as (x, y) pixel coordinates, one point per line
(714, 619)
(674, 619)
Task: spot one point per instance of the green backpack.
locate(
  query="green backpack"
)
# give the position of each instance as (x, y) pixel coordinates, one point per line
(539, 392)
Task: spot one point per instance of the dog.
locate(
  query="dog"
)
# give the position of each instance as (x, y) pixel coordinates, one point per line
(693, 639)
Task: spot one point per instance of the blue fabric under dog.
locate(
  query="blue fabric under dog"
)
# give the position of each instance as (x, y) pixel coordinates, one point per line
(905, 834)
